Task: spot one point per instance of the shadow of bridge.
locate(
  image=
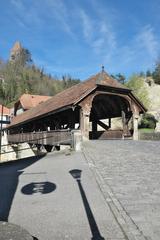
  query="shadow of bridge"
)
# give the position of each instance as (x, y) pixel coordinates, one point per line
(9, 178)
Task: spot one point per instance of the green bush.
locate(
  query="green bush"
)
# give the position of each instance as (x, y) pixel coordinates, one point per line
(148, 121)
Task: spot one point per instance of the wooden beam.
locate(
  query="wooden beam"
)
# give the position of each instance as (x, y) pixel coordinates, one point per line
(94, 125)
(103, 125)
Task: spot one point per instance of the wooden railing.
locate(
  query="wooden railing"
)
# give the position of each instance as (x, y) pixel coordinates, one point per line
(44, 138)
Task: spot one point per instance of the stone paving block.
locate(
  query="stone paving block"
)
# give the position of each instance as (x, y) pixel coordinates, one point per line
(132, 170)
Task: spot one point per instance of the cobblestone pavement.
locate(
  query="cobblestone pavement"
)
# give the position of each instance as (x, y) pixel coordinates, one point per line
(129, 176)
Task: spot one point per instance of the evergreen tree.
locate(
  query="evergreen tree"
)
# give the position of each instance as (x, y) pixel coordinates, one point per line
(68, 81)
(119, 77)
(148, 73)
(142, 74)
(156, 73)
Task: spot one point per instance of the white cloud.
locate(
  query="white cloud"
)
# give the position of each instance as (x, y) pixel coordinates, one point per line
(26, 15)
(98, 45)
(98, 33)
(59, 12)
(146, 39)
(137, 53)
(142, 47)
(18, 4)
(108, 34)
(87, 25)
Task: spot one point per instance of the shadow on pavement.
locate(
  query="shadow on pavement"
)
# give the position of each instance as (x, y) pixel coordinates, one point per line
(9, 177)
(38, 187)
(34, 238)
(76, 174)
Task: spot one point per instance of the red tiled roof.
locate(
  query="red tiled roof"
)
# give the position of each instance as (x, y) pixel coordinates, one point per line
(68, 97)
(6, 111)
(29, 101)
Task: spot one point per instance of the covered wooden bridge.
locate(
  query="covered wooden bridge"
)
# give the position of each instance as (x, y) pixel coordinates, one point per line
(89, 108)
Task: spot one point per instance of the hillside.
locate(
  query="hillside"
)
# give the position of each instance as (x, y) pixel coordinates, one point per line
(154, 96)
(20, 75)
(152, 91)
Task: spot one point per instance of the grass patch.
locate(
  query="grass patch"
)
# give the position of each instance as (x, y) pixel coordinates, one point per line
(146, 130)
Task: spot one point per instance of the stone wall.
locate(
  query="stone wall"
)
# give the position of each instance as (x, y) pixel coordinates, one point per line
(155, 136)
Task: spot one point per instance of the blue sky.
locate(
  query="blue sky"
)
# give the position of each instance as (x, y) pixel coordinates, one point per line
(77, 36)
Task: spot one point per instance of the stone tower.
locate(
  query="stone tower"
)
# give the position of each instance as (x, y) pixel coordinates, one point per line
(15, 51)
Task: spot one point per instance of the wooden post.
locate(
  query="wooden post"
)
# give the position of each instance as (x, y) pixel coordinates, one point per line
(72, 120)
(84, 122)
(125, 120)
(135, 127)
(94, 129)
(109, 122)
(94, 125)
(124, 123)
(135, 117)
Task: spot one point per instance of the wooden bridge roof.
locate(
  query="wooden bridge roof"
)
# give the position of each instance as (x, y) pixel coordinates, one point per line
(68, 98)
